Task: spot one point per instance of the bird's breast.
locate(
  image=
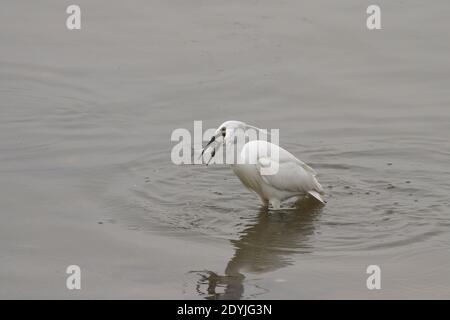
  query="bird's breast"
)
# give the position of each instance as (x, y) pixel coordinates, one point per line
(249, 176)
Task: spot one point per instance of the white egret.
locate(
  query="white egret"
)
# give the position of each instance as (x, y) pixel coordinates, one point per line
(291, 177)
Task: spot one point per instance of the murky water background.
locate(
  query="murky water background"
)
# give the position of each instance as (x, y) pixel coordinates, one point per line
(86, 178)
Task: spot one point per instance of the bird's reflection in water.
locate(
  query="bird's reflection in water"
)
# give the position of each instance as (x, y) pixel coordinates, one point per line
(265, 245)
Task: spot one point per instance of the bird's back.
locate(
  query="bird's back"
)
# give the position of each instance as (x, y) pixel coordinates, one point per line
(292, 176)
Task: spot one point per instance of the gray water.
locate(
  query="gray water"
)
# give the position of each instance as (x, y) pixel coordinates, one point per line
(86, 177)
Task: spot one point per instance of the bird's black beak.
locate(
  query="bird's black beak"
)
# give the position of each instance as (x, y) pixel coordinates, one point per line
(213, 153)
(210, 141)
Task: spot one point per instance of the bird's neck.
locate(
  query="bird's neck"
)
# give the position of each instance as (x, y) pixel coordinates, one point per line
(233, 152)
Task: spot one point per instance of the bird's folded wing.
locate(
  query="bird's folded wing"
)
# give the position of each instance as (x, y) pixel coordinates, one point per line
(285, 156)
(291, 176)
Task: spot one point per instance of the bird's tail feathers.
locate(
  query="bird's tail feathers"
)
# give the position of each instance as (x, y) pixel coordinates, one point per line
(316, 195)
(318, 187)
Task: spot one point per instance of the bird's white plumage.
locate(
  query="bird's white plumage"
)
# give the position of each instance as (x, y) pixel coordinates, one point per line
(291, 178)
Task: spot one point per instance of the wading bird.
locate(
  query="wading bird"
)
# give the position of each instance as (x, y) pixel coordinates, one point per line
(289, 177)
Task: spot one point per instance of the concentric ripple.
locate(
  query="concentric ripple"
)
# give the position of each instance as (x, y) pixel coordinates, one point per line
(372, 204)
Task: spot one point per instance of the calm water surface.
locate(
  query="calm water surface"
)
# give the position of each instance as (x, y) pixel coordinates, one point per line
(86, 178)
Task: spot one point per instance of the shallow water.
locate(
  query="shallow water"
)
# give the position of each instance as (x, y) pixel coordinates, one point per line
(86, 178)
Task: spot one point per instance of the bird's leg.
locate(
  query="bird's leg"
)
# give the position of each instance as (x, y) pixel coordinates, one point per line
(275, 203)
(264, 202)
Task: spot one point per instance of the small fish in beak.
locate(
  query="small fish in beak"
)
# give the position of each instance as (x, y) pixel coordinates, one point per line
(206, 147)
(213, 153)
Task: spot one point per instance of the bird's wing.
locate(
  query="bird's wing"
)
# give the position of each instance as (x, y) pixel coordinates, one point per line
(291, 175)
(286, 156)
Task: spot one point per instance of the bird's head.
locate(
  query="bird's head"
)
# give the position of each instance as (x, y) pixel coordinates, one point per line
(228, 129)
(225, 135)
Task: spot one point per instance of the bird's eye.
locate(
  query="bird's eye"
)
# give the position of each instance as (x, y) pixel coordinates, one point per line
(223, 129)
